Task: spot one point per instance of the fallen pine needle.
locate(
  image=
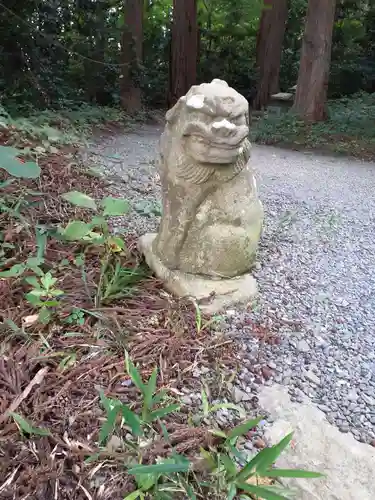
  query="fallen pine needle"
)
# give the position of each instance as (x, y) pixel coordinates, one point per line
(37, 380)
(8, 482)
(84, 491)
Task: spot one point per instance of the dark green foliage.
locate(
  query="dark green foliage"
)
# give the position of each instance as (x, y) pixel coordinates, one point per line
(228, 42)
(353, 64)
(59, 53)
(349, 128)
(55, 52)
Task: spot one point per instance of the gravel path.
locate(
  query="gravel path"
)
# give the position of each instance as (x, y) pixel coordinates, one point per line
(315, 274)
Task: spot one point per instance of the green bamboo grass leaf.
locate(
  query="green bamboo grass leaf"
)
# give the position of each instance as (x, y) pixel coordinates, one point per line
(261, 492)
(27, 428)
(297, 473)
(162, 412)
(150, 390)
(134, 374)
(109, 425)
(162, 468)
(243, 428)
(270, 455)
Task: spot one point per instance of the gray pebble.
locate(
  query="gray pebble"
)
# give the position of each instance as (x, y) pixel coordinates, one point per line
(369, 401)
(186, 400)
(352, 395)
(324, 408)
(344, 427)
(311, 377)
(303, 346)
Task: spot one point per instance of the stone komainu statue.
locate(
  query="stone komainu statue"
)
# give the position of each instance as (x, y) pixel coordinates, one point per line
(212, 217)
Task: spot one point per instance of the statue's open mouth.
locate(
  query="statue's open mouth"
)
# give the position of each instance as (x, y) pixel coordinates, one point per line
(214, 152)
(226, 147)
(230, 144)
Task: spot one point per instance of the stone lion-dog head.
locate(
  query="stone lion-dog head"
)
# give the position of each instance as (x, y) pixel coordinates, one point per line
(211, 122)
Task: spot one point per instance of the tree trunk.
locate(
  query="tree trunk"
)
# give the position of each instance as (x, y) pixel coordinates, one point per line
(312, 85)
(184, 49)
(132, 40)
(269, 48)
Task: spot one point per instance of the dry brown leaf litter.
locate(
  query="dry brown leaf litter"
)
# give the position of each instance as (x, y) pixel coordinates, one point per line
(154, 328)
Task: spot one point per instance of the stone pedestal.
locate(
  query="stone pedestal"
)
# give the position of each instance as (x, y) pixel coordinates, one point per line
(212, 217)
(218, 295)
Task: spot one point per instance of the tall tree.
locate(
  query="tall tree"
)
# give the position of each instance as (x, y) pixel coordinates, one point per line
(312, 85)
(184, 49)
(269, 48)
(132, 39)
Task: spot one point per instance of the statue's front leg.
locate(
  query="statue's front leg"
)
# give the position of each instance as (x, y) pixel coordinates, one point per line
(172, 236)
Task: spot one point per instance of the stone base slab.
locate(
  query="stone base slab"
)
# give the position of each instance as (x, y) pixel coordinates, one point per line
(220, 294)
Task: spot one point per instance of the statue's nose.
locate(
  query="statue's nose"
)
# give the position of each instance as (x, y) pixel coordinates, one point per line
(223, 128)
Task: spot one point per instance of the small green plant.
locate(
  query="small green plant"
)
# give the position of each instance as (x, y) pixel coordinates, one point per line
(17, 270)
(223, 477)
(14, 203)
(152, 399)
(31, 264)
(5, 247)
(162, 480)
(209, 409)
(218, 471)
(44, 294)
(76, 317)
(148, 208)
(200, 324)
(67, 361)
(152, 406)
(115, 279)
(114, 408)
(287, 219)
(221, 471)
(331, 223)
(118, 281)
(97, 230)
(227, 478)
